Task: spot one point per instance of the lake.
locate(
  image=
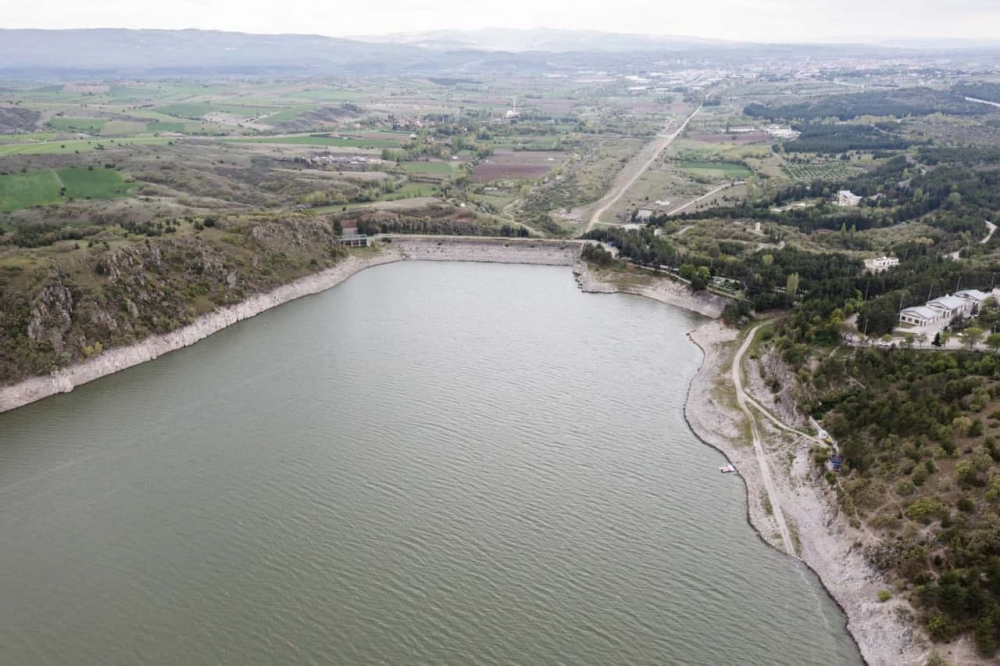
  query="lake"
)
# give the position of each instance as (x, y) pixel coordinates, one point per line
(428, 464)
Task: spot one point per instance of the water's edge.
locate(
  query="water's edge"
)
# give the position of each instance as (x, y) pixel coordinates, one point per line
(555, 253)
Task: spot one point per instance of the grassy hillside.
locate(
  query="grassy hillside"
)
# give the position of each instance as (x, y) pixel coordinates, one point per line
(62, 303)
(50, 186)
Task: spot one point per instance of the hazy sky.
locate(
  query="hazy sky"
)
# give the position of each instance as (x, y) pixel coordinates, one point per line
(749, 20)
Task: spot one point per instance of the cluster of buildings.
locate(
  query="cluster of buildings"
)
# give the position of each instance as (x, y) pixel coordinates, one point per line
(944, 308)
(349, 160)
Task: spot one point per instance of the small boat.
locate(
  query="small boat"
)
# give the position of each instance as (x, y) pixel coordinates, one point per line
(728, 469)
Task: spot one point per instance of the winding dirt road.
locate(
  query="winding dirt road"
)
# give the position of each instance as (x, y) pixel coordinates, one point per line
(765, 470)
(617, 190)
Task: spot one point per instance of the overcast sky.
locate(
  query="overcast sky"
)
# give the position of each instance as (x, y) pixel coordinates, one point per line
(745, 20)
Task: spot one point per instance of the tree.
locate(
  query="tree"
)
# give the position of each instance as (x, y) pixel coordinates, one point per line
(792, 285)
(937, 342)
(971, 336)
(993, 342)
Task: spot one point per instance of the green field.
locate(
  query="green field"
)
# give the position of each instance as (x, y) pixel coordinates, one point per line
(199, 109)
(436, 168)
(824, 171)
(88, 125)
(165, 127)
(36, 188)
(728, 170)
(77, 145)
(324, 141)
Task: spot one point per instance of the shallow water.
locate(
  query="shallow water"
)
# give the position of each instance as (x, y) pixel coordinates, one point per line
(429, 464)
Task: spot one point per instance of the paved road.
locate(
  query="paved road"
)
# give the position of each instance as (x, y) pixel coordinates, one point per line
(765, 470)
(616, 192)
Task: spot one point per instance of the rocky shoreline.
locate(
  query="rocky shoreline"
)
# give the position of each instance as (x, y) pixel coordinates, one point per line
(829, 546)
(523, 251)
(663, 290)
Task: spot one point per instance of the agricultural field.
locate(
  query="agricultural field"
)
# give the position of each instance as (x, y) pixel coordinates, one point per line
(819, 171)
(441, 169)
(53, 186)
(517, 165)
(325, 140)
(87, 125)
(716, 170)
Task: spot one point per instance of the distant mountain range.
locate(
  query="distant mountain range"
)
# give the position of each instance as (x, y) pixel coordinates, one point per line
(117, 52)
(552, 41)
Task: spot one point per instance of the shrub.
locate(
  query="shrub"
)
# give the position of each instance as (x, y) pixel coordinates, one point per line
(884, 595)
(905, 488)
(941, 628)
(924, 510)
(966, 505)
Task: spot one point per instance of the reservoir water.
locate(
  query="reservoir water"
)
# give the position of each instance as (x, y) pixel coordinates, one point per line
(429, 464)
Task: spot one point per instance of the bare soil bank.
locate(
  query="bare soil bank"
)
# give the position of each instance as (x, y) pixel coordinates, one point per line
(663, 290)
(826, 542)
(525, 251)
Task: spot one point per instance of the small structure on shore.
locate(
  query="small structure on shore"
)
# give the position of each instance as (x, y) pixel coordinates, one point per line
(354, 240)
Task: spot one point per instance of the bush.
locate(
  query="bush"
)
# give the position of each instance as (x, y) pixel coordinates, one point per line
(905, 488)
(884, 595)
(941, 628)
(966, 505)
(924, 510)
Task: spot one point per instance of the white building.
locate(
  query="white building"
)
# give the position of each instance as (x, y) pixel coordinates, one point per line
(848, 198)
(920, 315)
(974, 297)
(512, 112)
(643, 215)
(951, 306)
(881, 264)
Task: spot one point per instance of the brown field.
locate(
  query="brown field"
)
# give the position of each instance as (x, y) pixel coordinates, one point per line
(517, 165)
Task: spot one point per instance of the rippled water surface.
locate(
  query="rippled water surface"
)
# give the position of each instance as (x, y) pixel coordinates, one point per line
(429, 464)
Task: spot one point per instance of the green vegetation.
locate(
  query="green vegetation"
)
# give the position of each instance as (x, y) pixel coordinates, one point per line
(35, 188)
(323, 140)
(88, 125)
(729, 170)
(154, 126)
(436, 168)
(899, 102)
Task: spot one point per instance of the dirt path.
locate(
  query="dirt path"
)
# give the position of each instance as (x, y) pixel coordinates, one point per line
(774, 419)
(702, 197)
(616, 192)
(982, 101)
(765, 471)
(990, 226)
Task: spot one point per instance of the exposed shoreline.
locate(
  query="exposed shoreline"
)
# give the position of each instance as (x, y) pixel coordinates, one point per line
(663, 290)
(64, 380)
(828, 548)
(828, 545)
